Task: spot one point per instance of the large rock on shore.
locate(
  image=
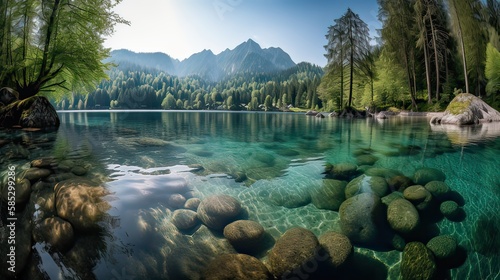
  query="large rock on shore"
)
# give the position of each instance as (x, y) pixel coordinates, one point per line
(466, 108)
(32, 112)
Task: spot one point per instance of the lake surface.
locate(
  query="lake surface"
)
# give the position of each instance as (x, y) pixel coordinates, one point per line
(269, 162)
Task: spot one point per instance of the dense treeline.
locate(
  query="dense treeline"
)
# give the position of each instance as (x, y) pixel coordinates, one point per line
(427, 51)
(133, 87)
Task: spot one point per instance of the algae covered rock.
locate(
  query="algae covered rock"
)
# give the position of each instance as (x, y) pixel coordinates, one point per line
(402, 216)
(338, 247)
(444, 247)
(218, 210)
(341, 171)
(363, 219)
(438, 189)
(425, 175)
(366, 184)
(417, 262)
(184, 219)
(466, 108)
(237, 267)
(419, 196)
(244, 235)
(450, 209)
(294, 248)
(330, 195)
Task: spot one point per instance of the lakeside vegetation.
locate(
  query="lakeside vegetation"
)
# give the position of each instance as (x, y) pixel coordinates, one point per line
(427, 52)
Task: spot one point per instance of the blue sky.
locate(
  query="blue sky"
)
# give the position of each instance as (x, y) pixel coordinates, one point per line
(183, 27)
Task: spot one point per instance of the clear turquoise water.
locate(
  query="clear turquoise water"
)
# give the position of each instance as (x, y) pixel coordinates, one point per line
(139, 153)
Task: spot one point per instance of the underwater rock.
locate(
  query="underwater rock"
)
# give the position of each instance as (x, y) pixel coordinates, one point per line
(79, 170)
(417, 262)
(296, 247)
(383, 172)
(56, 232)
(341, 171)
(425, 175)
(338, 247)
(149, 141)
(176, 201)
(239, 177)
(366, 159)
(290, 197)
(444, 247)
(184, 219)
(218, 210)
(419, 196)
(466, 108)
(438, 189)
(192, 203)
(35, 174)
(56, 178)
(366, 184)
(46, 162)
(46, 200)
(402, 216)
(244, 235)
(399, 183)
(450, 209)
(391, 197)
(330, 195)
(363, 219)
(398, 242)
(265, 158)
(238, 267)
(79, 201)
(22, 191)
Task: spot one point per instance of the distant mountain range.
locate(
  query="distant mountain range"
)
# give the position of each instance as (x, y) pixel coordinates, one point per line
(246, 57)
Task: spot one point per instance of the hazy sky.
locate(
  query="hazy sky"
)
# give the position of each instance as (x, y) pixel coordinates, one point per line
(181, 28)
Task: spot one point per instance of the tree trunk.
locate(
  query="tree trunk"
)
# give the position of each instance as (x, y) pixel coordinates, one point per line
(427, 73)
(462, 45)
(436, 57)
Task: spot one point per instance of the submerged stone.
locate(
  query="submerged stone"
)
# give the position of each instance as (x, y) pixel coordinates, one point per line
(184, 219)
(293, 249)
(338, 247)
(417, 262)
(444, 247)
(438, 189)
(217, 211)
(419, 196)
(57, 232)
(425, 175)
(403, 217)
(366, 184)
(244, 235)
(330, 195)
(290, 197)
(236, 266)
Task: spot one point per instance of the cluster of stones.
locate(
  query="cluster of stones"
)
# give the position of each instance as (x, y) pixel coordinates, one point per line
(54, 204)
(382, 208)
(297, 251)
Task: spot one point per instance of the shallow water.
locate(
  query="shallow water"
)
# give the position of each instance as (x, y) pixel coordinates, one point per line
(258, 158)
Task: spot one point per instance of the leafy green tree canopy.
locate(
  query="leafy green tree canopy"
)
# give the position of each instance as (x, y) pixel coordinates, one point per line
(54, 46)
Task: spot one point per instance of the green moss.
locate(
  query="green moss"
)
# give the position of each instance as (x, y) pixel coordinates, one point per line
(457, 107)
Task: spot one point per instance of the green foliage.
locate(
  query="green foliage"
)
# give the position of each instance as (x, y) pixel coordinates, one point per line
(54, 46)
(492, 70)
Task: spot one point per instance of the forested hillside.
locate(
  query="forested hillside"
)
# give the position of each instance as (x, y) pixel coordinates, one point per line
(133, 87)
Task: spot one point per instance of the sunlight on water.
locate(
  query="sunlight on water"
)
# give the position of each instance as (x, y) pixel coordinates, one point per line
(274, 165)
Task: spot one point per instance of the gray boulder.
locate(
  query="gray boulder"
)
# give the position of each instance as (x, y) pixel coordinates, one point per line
(465, 109)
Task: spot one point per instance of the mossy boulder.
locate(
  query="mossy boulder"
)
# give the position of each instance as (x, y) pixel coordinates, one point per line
(363, 220)
(366, 184)
(444, 247)
(465, 109)
(425, 175)
(244, 235)
(32, 112)
(419, 196)
(237, 267)
(296, 247)
(418, 262)
(217, 211)
(338, 247)
(438, 189)
(330, 195)
(366, 159)
(403, 217)
(341, 171)
(450, 209)
(185, 219)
